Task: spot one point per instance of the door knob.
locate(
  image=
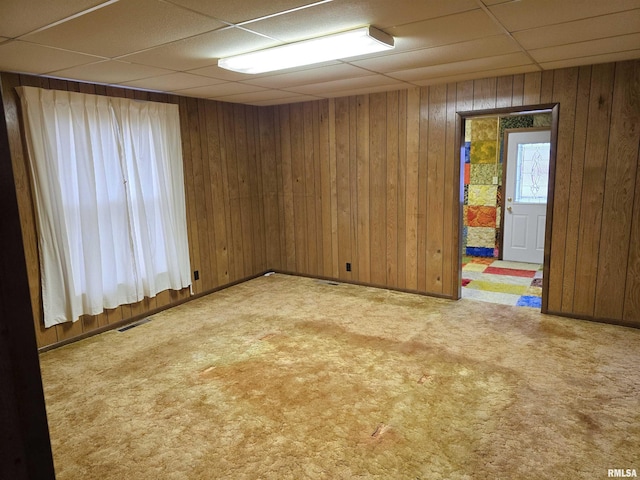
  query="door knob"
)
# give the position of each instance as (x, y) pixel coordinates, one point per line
(509, 199)
(509, 209)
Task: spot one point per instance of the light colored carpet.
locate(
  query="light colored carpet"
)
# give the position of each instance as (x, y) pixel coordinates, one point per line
(290, 378)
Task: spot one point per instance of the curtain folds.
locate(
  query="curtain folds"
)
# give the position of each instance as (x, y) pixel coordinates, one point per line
(110, 203)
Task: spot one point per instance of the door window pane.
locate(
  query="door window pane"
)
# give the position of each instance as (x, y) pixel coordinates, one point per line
(532, 176)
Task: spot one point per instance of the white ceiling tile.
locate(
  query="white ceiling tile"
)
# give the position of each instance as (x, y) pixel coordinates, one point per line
(464, 67)
(526, 14)
(18, 17)
(173, 81)
(345, 14)
(312, 75)
(444, 31)
(110, 71)
(219, 90)
(294, 98)
(580, 30)
(125, 27)
(592, 59)
(585, 49)
(479, 74)
(241, 10)
(323, 88)
(367, 89)
(17, 56)
(201, 50)
(483, 47)
(252, 97)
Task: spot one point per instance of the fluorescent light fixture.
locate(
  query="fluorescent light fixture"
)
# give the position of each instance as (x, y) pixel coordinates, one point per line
(351, 43)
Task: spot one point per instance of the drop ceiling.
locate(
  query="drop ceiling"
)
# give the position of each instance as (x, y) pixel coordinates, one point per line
(173, 45)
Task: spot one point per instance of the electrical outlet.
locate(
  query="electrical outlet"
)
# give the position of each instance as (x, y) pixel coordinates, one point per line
(495, 180)
(348, 267)
(196, 275)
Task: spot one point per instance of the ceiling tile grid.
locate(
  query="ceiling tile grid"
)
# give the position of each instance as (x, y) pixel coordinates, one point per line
(174, 45)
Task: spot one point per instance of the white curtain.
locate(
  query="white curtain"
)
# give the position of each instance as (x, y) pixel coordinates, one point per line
(110, 202)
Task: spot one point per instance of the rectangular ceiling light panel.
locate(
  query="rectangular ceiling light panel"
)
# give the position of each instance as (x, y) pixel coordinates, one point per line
(351, 43)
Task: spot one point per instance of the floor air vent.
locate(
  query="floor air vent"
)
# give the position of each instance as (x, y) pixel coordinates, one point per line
(134, 324)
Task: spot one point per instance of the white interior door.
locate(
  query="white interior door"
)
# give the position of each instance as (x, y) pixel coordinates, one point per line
(527, 184)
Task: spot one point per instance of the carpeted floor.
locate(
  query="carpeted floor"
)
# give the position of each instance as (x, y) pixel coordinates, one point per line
(291, 378)
(506, 283)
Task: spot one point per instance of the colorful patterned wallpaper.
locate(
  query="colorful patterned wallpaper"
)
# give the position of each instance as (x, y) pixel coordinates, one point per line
(484, 138)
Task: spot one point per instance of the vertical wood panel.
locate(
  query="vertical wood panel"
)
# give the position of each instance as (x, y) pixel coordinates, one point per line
(378, 179)
(402, 188)
(436, 142)
(255, 195)
(225, 192)
(413, 162)
(210, 267)
(565, 94)
(518, 90)
(392, 190)
(298, 182)
(504, 92)
(593, 188)
(484, 93)
(325, 192)
(317, 188)
(342, 132)
(287, 188)
(269, 176)
(203, 264)
(532, 86)
(362, 159)
(219, 204)
(333, 168)
(546, 86)
(261, 199)
(242, 163)
(619, 192)
(450, 250)
(309, 189)
(353, 185)
(236, 263)
(575, 193)
(192, 218)
(281, 200)
(631, 311)
(422, 189)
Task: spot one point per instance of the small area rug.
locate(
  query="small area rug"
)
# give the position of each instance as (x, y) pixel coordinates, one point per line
(497, 281)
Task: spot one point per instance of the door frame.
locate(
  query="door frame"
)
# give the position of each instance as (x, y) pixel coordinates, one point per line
(461, 118)
(507, 131)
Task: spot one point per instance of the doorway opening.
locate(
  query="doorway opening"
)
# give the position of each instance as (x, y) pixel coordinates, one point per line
(507, 162)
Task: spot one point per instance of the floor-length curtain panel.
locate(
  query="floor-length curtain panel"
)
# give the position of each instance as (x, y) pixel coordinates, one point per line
(109, 194)
(155, 182)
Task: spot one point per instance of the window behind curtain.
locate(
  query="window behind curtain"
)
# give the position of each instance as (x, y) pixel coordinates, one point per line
(110, 204)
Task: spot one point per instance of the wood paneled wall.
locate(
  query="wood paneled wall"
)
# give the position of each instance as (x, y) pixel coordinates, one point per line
(223, 168)
(373, 180)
